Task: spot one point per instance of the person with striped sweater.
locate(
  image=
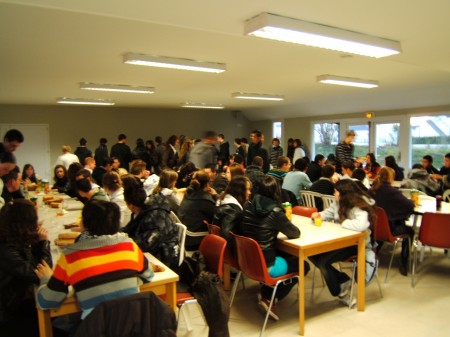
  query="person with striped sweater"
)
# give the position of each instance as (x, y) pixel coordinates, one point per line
(102, 265)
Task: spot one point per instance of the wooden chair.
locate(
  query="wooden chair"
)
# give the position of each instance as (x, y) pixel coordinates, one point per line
(434, 231)
(303, 210)
(309, 198)
(252, 263)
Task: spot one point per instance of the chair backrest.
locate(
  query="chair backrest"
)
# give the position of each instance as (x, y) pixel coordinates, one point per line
(251, 259)
(328, 200)
(435, 230)
(446, 196)
(308, 198)
(181, 241)
(214, 229)
(213, 249)
(303, 210)
(382, 231)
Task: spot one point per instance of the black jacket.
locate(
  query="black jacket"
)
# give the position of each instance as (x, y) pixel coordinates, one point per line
(314, 171)
(154, 231)
(258, 150)
(322, 186)
(262, 221)
(224, 153)
(197, 206)
(100, 154)
(82, 152)
(17, 277)
(228, 216)
(123, 153)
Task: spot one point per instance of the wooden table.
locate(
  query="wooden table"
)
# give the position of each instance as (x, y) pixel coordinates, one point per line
(162, 283)
(320, 239)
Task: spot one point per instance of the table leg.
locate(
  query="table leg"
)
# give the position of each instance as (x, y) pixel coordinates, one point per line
(361, 274)
(45, 323)
(171, 295)
(301, 285)
(226, 276)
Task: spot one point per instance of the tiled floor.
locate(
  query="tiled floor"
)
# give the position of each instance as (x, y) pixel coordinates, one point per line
(403, 311)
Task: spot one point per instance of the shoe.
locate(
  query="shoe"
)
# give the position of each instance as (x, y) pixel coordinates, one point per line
(345, 287)
(403, 269)
(348, 300)
(263, 304)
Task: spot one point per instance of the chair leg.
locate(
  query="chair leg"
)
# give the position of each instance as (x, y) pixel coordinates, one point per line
(390, 262)
(414, 264)
(272, 299)
(234, 289)
(354, 263)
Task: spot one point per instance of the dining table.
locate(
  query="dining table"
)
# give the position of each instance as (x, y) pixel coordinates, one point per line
(320, 239)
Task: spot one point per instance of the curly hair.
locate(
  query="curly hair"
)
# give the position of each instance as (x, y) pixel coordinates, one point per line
(18, 223)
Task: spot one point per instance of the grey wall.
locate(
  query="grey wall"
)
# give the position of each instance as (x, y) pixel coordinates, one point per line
(68, 124)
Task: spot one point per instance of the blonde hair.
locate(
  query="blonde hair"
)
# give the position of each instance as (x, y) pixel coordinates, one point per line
(167, 179)
(385, 175)
(66, 148)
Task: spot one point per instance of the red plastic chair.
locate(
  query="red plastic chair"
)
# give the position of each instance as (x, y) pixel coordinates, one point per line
(303, 210)
(434, 231)
(383, 233)
(252, 263)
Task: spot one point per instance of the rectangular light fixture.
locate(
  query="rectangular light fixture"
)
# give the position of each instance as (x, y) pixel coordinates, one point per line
(202, 106)
(275, 27)
(348, 81)
(173, 63)
(116, 88)
(84, 101)
(264, 97)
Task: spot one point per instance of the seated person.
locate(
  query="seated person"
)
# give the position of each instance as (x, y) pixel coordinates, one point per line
(263, 220)
(297, 180)
(347, 169)
(185, 173)
(254, 172)
(218, 181)
(166, 186)
(148, 181)
(61, 179)
(72, 171)
(444, 173)
(89, 164)
(389, 161)
(354, 210)
(324, 185)
(100, 170)
(314, 170)
(197, 207)
(23, 243)
(427, 163)
(103, 264)
(229, 207)
(283, 167)
(372, 167)
(28, 175)
(11, 189)
(418, 178)
(233, 170)
(87, 189)
(112, 184)
(151, 225)
(398, 209)
(359, 176)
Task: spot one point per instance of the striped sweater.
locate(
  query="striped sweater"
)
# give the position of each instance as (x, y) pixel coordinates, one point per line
(99, 268)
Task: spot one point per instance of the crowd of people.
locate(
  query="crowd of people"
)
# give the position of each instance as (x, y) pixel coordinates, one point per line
(133, 199)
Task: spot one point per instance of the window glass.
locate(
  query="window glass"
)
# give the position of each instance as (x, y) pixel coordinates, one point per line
(361, 140)
(326, 137)
(276, 130)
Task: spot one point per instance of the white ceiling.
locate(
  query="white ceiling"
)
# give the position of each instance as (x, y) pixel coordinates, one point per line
(49, 46)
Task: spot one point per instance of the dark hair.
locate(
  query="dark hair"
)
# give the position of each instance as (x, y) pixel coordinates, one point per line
(237, 158)
(256, 132)
(18, 223)
(244, 140)
(72, 172)
(158, 139)
(275, 140)
(14, 135)
(150, 142)
(300, 164)
(167, 179)
(25, 174)
(135, 195)
(429, 158)
(54, 172)
(447, 155)
(111, 181)
(7, 157)
(390, 162)
(282, 160)
(137, 166)
(209, 134)
(318, 158)
(172, 140)
(290, 140)
(237, 188)
(236, 170)
(101, 217)
(129, 181)
(221, 135)
(83, 141)
(108, 161)
(85, 173)
(352, 196)
(122, 136)
(258, 161)
(359, 174)
(298, 141)
(373, 160)
(211, 166)
(12, 175)
(139, 142)
(327, 171)
(270, 188)
(418, 166)
(103, 141)
(237, 141)
(199, 180)
(348, 164)
(83, 185)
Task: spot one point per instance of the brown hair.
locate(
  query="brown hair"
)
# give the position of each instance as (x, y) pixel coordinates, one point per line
(111, 181)
(385, 175)
(199, 180)
(137, 166)
(167, 179)
(18, 223)
(237, 188)
(236, 170)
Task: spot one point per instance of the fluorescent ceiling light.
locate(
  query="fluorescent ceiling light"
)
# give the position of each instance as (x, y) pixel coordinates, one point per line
(173, 63)
(84, 101)
(116, 88)
(352, 82)
(275, 27)
(202, 106)
(257, 96)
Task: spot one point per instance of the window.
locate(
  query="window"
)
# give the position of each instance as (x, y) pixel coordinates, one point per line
(277, 130)
(326, 137)
(430, 135)
(361, 140)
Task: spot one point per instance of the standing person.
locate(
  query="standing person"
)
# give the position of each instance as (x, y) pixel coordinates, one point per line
(102, 265)
(240, 149)
(223, 158)
(170, 155)
(354, 210)
(11, 141)
(290, 149)
(299, 152)
(263, 219)
(140, 152)
(82, 152)
(101, 152)
(23, 244)
(67, 158)
(427, 163)
(314, 170)
(245, 146)
(256, 148)
(275, 151)
(153, 156)
(398, 209)
(344, 150)
(185, 150)
(122, 151)
(297, 180)
(7, 164)
(204, 152)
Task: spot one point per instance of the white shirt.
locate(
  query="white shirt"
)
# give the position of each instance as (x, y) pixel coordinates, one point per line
(66, 159)
(125, 213)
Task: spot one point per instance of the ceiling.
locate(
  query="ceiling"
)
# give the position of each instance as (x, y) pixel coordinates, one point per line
(49, 46)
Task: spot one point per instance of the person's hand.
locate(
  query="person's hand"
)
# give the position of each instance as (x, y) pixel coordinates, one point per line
(42, 233)
(315, 215)
(146, 174)
(436, 176)
(212, 191)
(43, 270)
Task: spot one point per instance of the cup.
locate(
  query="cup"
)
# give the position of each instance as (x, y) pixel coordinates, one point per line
(415, 197)
(318, 221)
